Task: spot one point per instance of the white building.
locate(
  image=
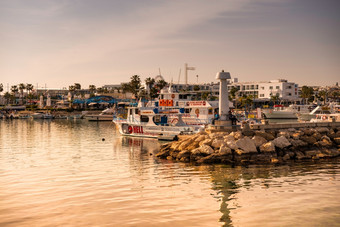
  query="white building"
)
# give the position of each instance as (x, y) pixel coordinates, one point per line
(280, 88)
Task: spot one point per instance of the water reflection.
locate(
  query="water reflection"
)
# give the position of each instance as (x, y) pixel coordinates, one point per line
(85, 174)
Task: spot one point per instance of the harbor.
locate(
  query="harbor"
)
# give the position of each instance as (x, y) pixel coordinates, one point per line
(169, 113)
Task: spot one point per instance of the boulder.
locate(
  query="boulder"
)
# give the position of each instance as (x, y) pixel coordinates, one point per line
(192, 146)
(216, 143)
(224, 150)
(259, 140)
(281, 142)
(308, 139)
(267, 136)
(298, 143)
(184, 144)
(232, 144)
(286, 157)
(322, 130)
(237, 135)
(184, 154)
(284, 133)
(311, 153)
(205, 149)
(200, 138)
(337, 140)
(210, 159)
(246, 144)
(317, 136)
(300, 155)
(296, 135)
(267, 147)
(206, 142)
(308, 131)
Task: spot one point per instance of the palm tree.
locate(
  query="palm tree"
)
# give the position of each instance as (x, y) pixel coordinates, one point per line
(306, 93)
(323, 94)
(161, 84)
(92, 89)
(149, 84)
(7, 96)
(22, 87)
(29, 89)
(1, 87)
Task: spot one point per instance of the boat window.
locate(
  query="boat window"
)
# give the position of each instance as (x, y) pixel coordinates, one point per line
(210, 111)
(144, 118)
(130, 111)
(136, 111)
(187, 110)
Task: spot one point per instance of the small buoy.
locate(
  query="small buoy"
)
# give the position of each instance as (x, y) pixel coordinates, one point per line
(150, 154)
(103, 139)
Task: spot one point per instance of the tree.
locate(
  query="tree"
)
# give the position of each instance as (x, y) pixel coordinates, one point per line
(14, 90)
(29, 89)
(22, 87)
(323, 95)
(161, 84)
(1, 87)
(134, 86)
(7, 96)
(196, 88)
(233, 92)
(307, 93)
(92, 88)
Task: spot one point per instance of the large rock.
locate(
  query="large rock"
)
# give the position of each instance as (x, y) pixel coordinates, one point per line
(232, 144)
(210, 159)
(184, 145)
(284, 133)
(337, 140)
(205, 149)
(200, 138)
(281, 142)
(267, 136)
(317, 136)
(308, 139)
(184, 154)
(296, 135)
(298, 143)
(246, 144)
(217, 143)
(325, 142)
(228, 138)
(192, 146)
(308, 131)
(322, 130)
(267, 147)
(259, 140)
(237, 135)
(224, 150)
(206, 142)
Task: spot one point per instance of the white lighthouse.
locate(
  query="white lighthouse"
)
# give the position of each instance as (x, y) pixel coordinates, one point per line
(223, 98)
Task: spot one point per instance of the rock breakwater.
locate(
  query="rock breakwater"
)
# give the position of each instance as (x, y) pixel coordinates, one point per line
(255, 147)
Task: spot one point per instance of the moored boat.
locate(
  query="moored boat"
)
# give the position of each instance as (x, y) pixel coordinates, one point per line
(155, 123)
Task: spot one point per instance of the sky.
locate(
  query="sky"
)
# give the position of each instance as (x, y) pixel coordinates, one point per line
(56, 43)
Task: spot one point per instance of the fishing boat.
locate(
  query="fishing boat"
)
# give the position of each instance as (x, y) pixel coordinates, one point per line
(155, 123)
(319, 110)
(41, 115)
(282, 112)
(105, 115)
(326, 118)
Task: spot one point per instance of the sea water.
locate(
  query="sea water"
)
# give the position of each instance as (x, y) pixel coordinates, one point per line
(80, 173)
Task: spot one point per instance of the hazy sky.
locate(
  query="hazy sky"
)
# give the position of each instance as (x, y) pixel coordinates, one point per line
(61, 42)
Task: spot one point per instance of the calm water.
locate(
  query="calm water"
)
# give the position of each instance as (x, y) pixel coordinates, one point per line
(61, 173)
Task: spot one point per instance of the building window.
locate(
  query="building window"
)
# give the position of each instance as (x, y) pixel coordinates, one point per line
(252, 87)
(262, 88)
(261, 95)
(257, 87)
(270, 87)
(277, 87)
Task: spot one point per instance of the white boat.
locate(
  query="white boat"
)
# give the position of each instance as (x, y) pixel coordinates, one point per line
(105, 115)
(155, 123)
(42, 115)
(326, 118)
(282, 112)
(319, 110)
